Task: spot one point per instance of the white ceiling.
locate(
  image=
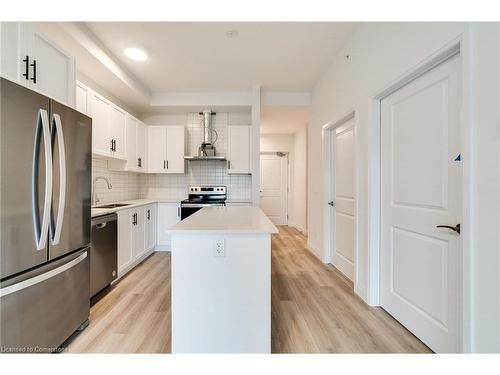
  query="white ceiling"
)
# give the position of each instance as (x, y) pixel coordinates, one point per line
(283, 120)
(198, 56)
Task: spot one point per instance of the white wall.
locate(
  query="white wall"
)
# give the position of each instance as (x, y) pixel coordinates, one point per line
(380, 53)
(300, 180)
(295, 145)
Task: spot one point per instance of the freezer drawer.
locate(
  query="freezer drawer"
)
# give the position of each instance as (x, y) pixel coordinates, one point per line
(42, 308)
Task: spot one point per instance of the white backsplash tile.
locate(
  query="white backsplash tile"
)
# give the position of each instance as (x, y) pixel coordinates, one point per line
(128, 185)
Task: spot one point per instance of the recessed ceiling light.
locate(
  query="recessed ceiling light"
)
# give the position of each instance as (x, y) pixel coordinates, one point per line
(232, 33)
(136, 54)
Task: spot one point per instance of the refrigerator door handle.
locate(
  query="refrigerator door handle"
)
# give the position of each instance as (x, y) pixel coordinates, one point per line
(40, 278)
(56, 120)
(42, 128)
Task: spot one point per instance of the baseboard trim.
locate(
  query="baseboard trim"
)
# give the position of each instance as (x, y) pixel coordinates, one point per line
(311, 249)
(299, 228)
(162, 248)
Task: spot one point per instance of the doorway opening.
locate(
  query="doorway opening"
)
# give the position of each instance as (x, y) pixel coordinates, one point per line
(284, 137)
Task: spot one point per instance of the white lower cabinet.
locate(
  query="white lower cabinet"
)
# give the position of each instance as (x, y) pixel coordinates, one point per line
(150, 224)
(136, 236)
(169, 214)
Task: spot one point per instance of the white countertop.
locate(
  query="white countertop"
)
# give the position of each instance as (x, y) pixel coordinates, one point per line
(230, 220)
(142, 202)
(130, 204)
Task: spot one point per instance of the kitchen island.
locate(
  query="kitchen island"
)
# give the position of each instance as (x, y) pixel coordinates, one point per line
(221, 281)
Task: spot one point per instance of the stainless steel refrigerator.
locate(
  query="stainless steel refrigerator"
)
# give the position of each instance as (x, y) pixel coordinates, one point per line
(45, 189)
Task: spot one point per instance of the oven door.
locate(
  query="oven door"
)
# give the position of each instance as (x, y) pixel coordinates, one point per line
(187, 209)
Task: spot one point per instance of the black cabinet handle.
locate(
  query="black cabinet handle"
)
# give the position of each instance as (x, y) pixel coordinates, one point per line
(164, 164)
(178, 211)
(149, 214)
(139, 162)
(167, 164)
(33, 64)
(111, 145)
(456, 228)
(228, 164)
(26, 73)
(114, 144)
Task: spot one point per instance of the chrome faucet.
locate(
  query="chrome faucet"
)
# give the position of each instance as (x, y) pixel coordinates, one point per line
(95, 199)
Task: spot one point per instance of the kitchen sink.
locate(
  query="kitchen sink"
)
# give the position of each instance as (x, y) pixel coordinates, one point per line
(114, 205)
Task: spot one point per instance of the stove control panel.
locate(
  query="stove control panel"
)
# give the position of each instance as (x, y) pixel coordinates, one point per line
(207, 190)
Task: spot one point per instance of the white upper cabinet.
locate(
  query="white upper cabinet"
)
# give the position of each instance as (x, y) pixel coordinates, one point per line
(166, 149)
(157, 151)
(238, 150)
(175, 149)
(108, 123)
(31, 59)
(131, 137)
(82, 98)
(142, 146)
(117, 131)
(100, 110)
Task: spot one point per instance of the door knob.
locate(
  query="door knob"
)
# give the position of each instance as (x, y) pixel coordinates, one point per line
(331, 204)
(456, 228)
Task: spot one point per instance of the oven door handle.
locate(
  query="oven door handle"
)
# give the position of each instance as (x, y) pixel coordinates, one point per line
(200, 205)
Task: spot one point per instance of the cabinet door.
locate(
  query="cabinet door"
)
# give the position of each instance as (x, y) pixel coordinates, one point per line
(157, 144)
(82, 99)
(150, 226)
(142, 138)
(238, 150)
(100, 110)
(48, 69)
(131, 143)
(118, 124)
(175, 149)
(126, 240)
(139, 247)
(11, 59)
(168, 215)
(52, 70)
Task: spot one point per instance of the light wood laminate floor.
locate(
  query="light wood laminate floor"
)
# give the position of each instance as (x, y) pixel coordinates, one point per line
(134, 316)
(314, 310)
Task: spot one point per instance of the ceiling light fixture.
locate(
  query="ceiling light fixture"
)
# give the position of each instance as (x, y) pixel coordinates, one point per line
(136, 54)
(232, 33)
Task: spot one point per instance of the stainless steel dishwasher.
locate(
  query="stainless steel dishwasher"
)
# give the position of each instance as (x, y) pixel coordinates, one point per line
(103, 253)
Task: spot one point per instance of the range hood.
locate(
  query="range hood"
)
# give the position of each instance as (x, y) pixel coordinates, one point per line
(207, 150)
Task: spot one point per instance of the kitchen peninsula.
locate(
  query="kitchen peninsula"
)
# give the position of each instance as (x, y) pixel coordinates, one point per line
(221, 281)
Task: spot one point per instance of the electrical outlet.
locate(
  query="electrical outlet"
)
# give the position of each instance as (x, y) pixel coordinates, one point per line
(219, 250)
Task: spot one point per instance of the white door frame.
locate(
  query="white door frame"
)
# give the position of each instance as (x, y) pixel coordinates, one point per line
(328, 152)
(286, 155)
(459, 46)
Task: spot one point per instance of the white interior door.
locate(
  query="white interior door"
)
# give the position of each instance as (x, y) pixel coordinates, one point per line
(420, 189)
(343, 203)
(273, 187)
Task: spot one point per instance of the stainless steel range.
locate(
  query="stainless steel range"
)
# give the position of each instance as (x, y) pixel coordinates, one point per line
(202, 196)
